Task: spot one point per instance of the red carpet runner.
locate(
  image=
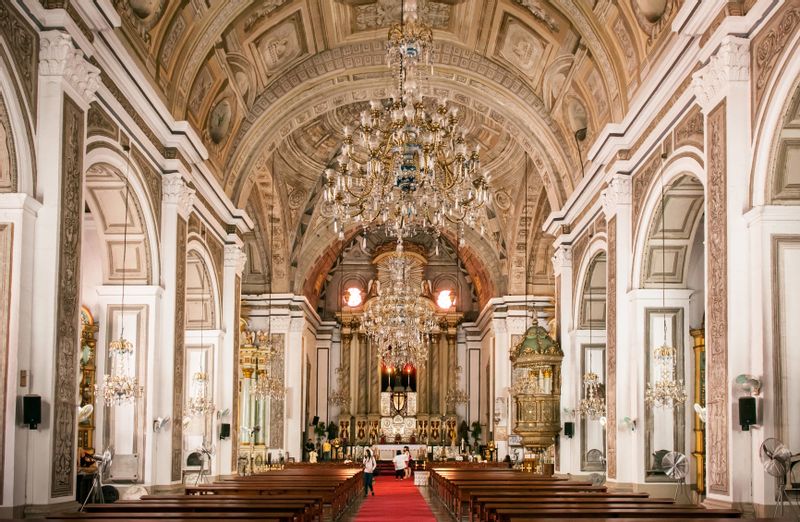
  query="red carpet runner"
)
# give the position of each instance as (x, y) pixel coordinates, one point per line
(394, 500)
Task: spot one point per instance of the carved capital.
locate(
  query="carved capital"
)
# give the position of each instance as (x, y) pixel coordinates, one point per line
(235, 258)
(731, 63)
(616, 194)
(176, 192)
(59, 58)
(562, 259)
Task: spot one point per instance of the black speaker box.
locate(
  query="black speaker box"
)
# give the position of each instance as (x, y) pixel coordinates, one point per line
(569, 429)
(315, 421)
(747, 412)
(224, 431)
(32, 411)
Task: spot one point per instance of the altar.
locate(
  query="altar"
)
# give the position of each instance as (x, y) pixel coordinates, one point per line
(388, 451)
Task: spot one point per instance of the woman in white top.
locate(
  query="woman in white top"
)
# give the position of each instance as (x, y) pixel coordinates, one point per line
(400, 462)
(369, 469)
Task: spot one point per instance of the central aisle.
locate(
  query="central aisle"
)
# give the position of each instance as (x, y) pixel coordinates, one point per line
(394, 500)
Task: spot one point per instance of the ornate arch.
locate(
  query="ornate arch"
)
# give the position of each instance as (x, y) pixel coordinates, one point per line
(203, 303)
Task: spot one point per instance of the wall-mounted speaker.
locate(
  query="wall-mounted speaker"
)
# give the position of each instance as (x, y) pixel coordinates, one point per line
(31, 410)
(569, 429)
(747, 412)
(315, 421)
(224, 431)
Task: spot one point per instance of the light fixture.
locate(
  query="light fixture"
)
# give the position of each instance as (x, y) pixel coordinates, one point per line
(119, 386)
(340, 397)
(406, 167)
(593, 403)
(353, 297)
(268, 354)
(399, 320)
(445, 300)
(200, 403)
(456, 395)
(666, 391)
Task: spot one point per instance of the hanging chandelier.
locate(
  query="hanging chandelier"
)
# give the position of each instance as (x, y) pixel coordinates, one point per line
(340, 397)
(200, 403)
(666, 391)
(593, 403)
(268, 353)
(456, 395)
(120, 385)
(406, 166)
(400, 320)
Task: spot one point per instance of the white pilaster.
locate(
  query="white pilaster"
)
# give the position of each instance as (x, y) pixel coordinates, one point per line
(235, 259)
(628, 357)
(62, 71)
(562, 268)
(727, 77)
(176, 204)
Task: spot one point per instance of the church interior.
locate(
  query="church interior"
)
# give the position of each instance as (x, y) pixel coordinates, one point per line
(533, 257)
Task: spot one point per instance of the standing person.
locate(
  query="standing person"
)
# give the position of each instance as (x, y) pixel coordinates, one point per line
(369, 469)
(409, 462)
(399, 465)
(326, 450)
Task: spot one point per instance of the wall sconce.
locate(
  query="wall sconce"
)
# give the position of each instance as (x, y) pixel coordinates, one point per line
(353, 297)
(445, 300)
(628, 424)
(749, 384)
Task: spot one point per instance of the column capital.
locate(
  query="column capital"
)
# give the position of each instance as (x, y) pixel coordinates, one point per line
(58, 57)
(617, 194)
(176, 192)
(562, 259)
(731, 63)
(235, 258)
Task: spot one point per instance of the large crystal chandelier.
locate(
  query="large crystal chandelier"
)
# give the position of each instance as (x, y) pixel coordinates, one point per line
(268, 353)
(120, 385)
(200, 403)
(340, 397)
(593, 403)
(406, 166)
(456, 395)
(666, 391)
(399, 320)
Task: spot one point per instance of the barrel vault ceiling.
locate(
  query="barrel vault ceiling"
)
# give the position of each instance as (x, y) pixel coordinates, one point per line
(269, 84)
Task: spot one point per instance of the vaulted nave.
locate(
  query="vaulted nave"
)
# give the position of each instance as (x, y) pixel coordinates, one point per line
(496, 259)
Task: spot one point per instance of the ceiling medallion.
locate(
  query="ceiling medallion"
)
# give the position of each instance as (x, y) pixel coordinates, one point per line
(406, 167)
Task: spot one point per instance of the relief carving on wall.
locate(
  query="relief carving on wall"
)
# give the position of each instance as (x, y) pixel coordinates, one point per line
(611, 349)
(641, 182)
(8, 155)
(180, 322)
(690, 130)
(6, 251)
(717, 305)
(276, 406)
(68, 303)
(769, 45)
(23, 44)
(100, 123)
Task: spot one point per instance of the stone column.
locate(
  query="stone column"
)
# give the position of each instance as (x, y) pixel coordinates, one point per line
(227, 373)
(344, 367)
(620, 351)
(452, 364)
(374, 378)
(435, 376)
(722, 88)
(569, 449)
(169, 379)
(422, 385)
(67, 83)
(363, 375)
